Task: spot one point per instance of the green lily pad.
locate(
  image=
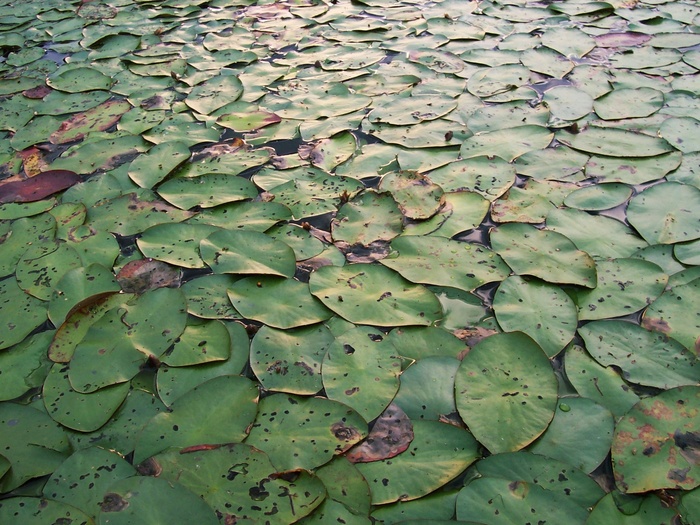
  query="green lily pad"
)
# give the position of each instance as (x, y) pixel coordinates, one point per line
(531, 203)
(228, 402)
(175, 243)
(77, 285)
(582, 228)
(506, 391)
(361, 370)
(632, 170)
(298, 432)
(427, 388)
(600, 197)
(75, 410)
(673, 315)
(150, 501)
(461, 211)
(99, 118)
(629, 103)
(558, 163)
(599, 383)
(544, 254)
(37, 511)
(368, 217)
(115, 346)
(515, 501)
(441, 261)
(541, 310)
(181, 127)
(85, 476)
(406, 110)
(24, 366)
(207, 297)
(206, 191)
(438, 460)
(202, 341)
(215, 93)
(508, 144)
(555, 476)
(663, 214)
(567, 104)
(304, 244)
(646, 358)
(129, 214)
(328, 153)
(150, 168)
(489, 177)
(79, 80)
(292, 306)
(43, 265)
(664, 429)
(247, 252)
(683, 133)
(688, 253)
(492, 81)
(624, 286)
(419, 342)
(614, 142)
(290, 360)
(417, 196)
(31, 442)
(319, 194)
(248, 215)
(241, 484)
(374, 295)
(646, 510)
(20, 312)
(437, 508)
(119, 433)
(580, 434)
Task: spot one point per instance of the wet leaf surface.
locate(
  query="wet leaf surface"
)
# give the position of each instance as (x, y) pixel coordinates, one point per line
(336, 206)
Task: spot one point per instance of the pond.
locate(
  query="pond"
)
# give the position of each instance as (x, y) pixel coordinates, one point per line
(367, 261)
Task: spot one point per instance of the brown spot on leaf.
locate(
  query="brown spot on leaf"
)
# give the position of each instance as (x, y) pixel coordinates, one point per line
(113, 503)
(656, 324)
(391, 434)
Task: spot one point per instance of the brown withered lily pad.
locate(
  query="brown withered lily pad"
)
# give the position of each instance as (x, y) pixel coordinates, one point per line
(38, 187)
(391, 434)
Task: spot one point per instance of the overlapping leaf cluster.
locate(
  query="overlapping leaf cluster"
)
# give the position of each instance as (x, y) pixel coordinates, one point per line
(326, 257)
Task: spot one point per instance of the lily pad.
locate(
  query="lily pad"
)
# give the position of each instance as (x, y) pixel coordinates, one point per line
(444, 262)
(85, 476)
(20, 313)
(417, 196)
(645, 358)
(201, 342)
(508, 144)
(541, 310)
(294, 306)
(600, 197)
(299, 432)
(439, 461)
(427, 389)
(374, 295)
(599, 383)
(247, 252)
(213, 94)
(229, 402)
(506, 391)
(580, 434)
(664, 429)
(206, 191)
(663, 214)
(240, 483)
(544, 254)
(37, 511)
(79, 80)
(624, 286)
(361, 370)
(629, 103)
(614, 142)
(673, 315)
(290, 360)
(150, 501)
(31, 442)
(24, 366)
(149, 169)
(367, 218)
